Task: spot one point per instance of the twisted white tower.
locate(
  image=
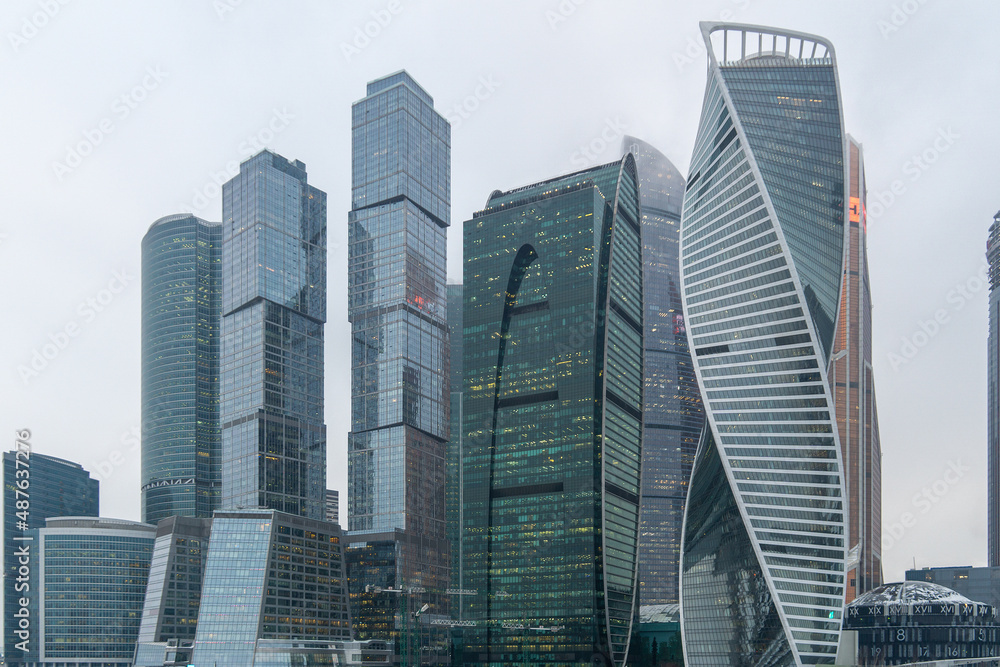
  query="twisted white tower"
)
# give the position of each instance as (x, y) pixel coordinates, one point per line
(762, 243)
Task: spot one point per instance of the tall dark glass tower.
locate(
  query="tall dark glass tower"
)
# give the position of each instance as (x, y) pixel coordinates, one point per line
(552, 419)
(181, 314)
(273, 311)
(853, 384)
(453, 488)
(56, 488)
(672, 413)
(762, 248)
(993, 396)
(401, 174)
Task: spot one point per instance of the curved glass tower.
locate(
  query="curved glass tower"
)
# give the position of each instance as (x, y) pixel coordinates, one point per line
(181, 311)
(672, 412)
(552, 420)
(762, 245)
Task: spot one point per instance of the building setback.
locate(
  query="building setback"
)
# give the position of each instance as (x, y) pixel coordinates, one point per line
(853, 386)
(55, 488)
(181, 302)
(672, 414)
(552, 419)
(273, 311)
(397, 227)
(762, 248)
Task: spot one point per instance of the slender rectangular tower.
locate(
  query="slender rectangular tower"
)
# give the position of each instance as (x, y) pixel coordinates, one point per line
(993, 397)
(399, 383)
(853, 386)
(273, 311)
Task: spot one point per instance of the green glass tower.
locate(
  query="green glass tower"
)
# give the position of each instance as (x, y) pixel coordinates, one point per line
(552, 420)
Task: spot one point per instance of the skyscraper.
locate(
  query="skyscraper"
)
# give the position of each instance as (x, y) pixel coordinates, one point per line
(762, 244)
(55, 488)
(853, 389)
(993, 396)
(672, 412)
(273, 311)
(453, 471)
(552, 419)
(397, 308)
(181, 300)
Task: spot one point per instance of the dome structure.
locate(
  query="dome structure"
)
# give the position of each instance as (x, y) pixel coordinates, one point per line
(910, 592)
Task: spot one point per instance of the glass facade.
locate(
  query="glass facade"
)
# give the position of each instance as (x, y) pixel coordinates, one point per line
(401, 173)
(269, 576)
(993, 397)
(762, 242)
(672, 412)
(55, 488)
(453, 470)
(91, 576)
(273, 311)
(181, 301)
(552, 420)
(173, 595)
(853, 385)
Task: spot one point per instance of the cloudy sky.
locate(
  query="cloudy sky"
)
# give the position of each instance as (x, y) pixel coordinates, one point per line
(117, 113)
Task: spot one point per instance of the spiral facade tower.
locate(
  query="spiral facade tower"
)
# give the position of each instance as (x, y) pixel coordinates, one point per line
(762, 247)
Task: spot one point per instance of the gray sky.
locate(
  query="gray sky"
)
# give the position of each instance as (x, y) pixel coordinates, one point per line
(167, 96)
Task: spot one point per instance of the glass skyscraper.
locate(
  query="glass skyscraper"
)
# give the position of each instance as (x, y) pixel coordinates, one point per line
(90, 579)
(273, 585)
(552, 420)
(993, 397)
(273, 311)
(399, 383)
(453, 470)
(853, 386)
(672, 413)
(181, 300)
(56, 488)
(762, 247)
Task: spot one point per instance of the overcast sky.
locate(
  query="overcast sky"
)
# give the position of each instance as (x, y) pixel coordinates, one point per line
(116, 113)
